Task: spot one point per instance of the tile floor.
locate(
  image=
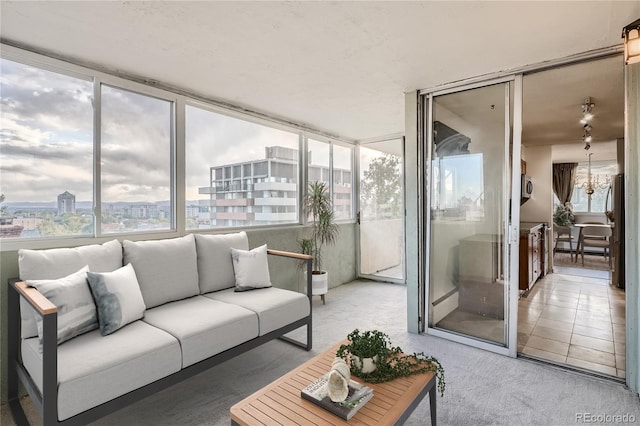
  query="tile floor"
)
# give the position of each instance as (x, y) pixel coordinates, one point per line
(576, 320)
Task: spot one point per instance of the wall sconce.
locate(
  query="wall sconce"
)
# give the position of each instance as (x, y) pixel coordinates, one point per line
(631, 36)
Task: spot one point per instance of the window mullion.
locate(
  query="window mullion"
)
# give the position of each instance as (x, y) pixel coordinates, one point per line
(97, 169)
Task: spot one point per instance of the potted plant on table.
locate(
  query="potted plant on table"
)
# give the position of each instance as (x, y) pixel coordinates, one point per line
(563, 216)
(324, 230)
(389, 362)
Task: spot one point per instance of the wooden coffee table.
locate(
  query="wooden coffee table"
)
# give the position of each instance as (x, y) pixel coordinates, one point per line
(280, 403)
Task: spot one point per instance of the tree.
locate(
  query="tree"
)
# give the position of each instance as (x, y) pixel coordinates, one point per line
(381, 187)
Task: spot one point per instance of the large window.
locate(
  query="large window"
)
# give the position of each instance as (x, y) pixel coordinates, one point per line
(135, 159)
(601, 173)
(46, 146)
(342, 181)
(239, 173)
(86, 154)
(332, 164)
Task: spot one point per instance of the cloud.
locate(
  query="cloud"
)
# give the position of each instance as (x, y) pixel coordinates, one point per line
(46, 140)
(214, 139)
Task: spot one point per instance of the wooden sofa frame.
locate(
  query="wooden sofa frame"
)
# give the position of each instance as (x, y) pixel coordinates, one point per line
(46, 401)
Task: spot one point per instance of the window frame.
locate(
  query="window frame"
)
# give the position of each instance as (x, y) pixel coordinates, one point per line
(336, 142)
(254, 119)
(179, 100)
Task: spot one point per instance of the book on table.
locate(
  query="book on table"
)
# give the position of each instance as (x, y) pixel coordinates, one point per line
(358, 396)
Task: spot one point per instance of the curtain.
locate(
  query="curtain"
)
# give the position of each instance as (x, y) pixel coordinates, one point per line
(564, 178)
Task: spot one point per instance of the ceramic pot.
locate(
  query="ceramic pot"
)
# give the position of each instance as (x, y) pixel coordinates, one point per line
(319, 283)
(368, 365)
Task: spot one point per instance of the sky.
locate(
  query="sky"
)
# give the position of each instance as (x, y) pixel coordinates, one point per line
(46, 140)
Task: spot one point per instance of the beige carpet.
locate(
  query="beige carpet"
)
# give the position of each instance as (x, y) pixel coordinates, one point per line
(591, 261)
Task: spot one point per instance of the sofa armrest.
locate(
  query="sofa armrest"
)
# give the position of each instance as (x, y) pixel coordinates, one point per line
(46, 400)
(289, 254)
(302, 257)
(36, 299)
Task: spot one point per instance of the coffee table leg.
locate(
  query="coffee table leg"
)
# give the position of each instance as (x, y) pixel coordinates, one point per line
(432, 403)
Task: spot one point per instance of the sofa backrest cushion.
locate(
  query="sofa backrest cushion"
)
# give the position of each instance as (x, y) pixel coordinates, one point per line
(215, 266)
(167, 270)
(53, 264)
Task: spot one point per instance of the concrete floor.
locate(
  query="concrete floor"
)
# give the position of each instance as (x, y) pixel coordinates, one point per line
(482, 388)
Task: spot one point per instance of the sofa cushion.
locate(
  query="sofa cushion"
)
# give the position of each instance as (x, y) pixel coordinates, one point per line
(275, 307)
(215, 268)
(76, 309)
(56, 263)
(93, 369)
(251, 268)
(167, 269)
(203, 326)
(118, 298)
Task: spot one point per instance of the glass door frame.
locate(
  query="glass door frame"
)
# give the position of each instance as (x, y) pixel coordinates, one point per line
(358, 204)
(511, 227)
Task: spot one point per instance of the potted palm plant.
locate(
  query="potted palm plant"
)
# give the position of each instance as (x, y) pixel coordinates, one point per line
(317, 204)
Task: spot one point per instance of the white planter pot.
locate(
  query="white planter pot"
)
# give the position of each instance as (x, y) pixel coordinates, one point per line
(367, 365)
(319, 283)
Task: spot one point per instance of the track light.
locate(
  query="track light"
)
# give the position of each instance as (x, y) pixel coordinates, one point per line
(587, 116)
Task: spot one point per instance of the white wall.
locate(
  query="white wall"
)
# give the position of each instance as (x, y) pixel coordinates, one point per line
(539, 208)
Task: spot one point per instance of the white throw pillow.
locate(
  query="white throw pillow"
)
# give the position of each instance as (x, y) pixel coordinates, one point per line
(251, 268)
(76, 310)
(118, 298)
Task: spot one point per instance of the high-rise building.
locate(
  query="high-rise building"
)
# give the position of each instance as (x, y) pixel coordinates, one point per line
(66, 203)
(264, 191)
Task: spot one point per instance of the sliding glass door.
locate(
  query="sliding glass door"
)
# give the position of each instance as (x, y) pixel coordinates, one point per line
(468, 217)
(381, 216)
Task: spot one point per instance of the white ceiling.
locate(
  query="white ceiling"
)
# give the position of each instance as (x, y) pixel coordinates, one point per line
(338, 67)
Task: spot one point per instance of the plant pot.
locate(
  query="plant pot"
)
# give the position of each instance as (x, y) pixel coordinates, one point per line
(368, 365)
(319, 283)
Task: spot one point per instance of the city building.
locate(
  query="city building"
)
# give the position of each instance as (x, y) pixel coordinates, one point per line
(264, 191)
(66, 203)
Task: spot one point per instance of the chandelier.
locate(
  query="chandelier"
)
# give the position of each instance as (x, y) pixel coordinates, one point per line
(593, 182)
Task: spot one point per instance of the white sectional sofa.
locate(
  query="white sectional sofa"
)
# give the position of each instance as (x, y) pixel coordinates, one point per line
(199, 306)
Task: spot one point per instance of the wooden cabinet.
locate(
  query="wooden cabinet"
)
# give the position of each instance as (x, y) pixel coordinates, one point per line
(532, 254)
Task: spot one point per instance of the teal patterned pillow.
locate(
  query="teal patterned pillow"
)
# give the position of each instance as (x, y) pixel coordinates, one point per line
(118, 298)
(76, 310)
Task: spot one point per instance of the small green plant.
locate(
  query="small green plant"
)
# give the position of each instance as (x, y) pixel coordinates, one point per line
(563, 216)
(391, 363)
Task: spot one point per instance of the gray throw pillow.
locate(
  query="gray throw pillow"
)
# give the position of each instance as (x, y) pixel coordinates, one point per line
(118, 298)
(76, 309)
(251, 268)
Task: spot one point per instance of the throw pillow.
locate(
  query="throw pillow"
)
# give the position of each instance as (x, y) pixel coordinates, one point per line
(76, 310)
(251, 268)
(118, 298)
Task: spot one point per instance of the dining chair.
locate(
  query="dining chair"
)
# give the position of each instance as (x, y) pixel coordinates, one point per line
(563, 235)
(596, 236)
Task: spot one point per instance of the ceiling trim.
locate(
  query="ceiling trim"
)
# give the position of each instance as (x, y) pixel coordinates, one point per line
(529, 69)
(38, 57)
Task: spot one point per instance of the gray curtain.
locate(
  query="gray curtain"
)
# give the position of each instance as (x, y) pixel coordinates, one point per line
(564, 177)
